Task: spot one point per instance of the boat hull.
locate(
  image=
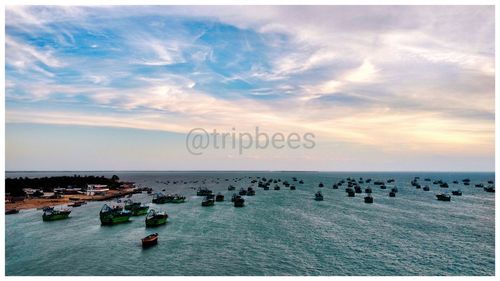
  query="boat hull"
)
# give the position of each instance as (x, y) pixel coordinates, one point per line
(55, 217)
(110, 220)
(156, 221)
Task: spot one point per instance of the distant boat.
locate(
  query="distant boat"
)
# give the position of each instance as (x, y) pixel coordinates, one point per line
(208, 201)
(457, 192)
(239, 201)
(11, 211)
(51, 214)
(489, 189)
(368, 190)
(292, 187)
(320, 184)
(243, 192)
(443, 197)
(426, 188)
(203, 191)
(115, 215)
(318, 196)
(392, 194)
(250, 191)
(231, 187)
(219, 197)
(301, 181)
(276, 187)
(150, 240)
(369, 199)
(155, 218)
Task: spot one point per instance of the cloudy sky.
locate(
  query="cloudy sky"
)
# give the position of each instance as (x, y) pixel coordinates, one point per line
(382, 88)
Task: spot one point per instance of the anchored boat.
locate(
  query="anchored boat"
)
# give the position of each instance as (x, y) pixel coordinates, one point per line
(155, 218)
(208, 201)
(136, 208)
(443, 197)
(239, 201)
(150, 240)
(50, 214)
(318, 196)
(113, 215)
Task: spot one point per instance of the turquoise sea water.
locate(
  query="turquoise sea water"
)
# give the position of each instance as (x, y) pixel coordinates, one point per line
(277, 233)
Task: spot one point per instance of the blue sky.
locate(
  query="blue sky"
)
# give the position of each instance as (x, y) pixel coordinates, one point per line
(382, 88)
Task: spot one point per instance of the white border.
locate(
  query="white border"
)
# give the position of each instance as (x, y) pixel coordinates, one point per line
(227, 2)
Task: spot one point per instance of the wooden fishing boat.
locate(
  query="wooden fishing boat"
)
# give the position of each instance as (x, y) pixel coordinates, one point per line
(150, 240)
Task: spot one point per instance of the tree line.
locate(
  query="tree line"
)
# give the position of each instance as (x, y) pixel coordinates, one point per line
(14, 186)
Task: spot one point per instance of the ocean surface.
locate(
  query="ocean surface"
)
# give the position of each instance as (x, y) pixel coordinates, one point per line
(277, 232)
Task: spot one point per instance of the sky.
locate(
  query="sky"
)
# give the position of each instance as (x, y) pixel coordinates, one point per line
(382, 88)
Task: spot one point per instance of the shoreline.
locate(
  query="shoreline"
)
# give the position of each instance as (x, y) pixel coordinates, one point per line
(35, 203)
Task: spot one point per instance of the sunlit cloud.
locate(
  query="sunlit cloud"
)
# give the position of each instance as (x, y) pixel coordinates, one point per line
(385, 79)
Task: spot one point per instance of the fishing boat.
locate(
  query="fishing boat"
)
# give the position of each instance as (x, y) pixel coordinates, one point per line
(239, 201)
(176, 198)
(203, 191)
(318, 196)
(208, 201)
(292, 187)
(113, 215)
(136, 208)
(250, 191)
(150, 240)
(301, 182)
(357, 189)
(368, 199)
(243, 192)
(394, 189)
(457, 192)
(443, 197)
(50, 214)
(368, 190)
(392, 194)
(159, 198)
(320, 184)
(489, 189)
(276, 187)
(11, 211)
(231, 187)
(383, 186)
(351, 193)
(155, 218)
(426, 188)
(335, 186)
(76, 204)
(219, 197)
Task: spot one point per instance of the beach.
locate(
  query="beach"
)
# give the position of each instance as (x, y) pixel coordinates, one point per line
(36, 203)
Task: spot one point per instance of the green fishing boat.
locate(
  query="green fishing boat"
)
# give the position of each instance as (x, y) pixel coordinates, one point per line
(155, 218)
(176, 198)
(160, 198)
(136, 208)
(49, 214)
(110, 216)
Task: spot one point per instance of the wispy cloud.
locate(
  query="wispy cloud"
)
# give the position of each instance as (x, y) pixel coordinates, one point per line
(390, 78)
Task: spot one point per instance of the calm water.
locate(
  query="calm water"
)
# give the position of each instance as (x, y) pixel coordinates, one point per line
(277, 232)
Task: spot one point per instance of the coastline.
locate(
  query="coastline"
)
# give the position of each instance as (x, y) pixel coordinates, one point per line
(35, 203)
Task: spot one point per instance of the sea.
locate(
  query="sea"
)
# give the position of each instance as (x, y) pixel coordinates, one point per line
(278, 232)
